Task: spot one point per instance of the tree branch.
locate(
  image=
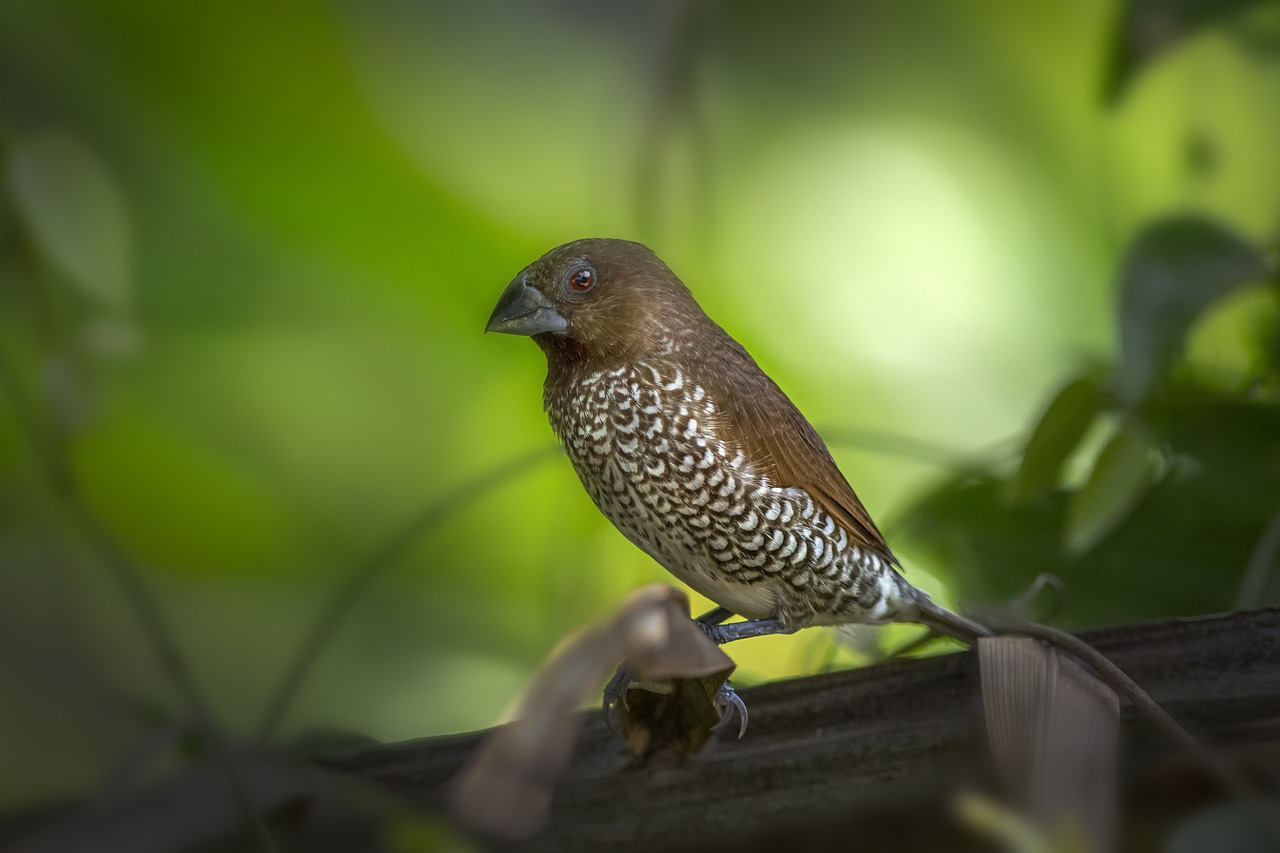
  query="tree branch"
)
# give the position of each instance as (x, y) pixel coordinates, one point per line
(833, 752)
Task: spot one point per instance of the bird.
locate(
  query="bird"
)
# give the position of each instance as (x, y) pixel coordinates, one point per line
(697, 456)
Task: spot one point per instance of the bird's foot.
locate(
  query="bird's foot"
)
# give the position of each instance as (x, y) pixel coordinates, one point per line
(730, 705)
(615, 694)
(727, 702)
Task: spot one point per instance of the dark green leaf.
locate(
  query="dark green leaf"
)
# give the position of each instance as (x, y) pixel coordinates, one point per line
(75, 212)
(1059, 431)
(1181, 552)
(1174, 270)
(1233, 449)
(1258, 33)
(1120, 477)
(1148, 28)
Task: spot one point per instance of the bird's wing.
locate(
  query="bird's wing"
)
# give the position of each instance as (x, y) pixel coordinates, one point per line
(761, 420)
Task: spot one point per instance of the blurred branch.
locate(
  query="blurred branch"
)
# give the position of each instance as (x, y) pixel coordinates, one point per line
(672, 109)
(52, 459)
(188, 811)
(846, 752)
(348, 594)
(916, 449)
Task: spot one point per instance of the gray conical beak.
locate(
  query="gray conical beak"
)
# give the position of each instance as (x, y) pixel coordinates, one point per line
(522, 310)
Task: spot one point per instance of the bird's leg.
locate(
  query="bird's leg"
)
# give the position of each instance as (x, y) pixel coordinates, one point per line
(721, 634)
(615, 692)
(728, 700)
(714, 616)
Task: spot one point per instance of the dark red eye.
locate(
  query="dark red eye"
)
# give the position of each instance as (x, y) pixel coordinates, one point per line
(582, 280)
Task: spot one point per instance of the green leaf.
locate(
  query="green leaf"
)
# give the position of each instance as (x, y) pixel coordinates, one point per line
(1060, 429)
(1148, 28)
(74, 211)
(1218, 495)
(1120, 478)
(1174, 270)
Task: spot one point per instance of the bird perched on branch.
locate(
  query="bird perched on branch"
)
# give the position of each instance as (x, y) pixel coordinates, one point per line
(696, 455)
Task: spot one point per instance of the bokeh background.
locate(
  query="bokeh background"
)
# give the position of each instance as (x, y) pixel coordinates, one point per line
(249, 250)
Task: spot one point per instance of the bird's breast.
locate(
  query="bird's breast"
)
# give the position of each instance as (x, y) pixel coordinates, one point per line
(647, 442)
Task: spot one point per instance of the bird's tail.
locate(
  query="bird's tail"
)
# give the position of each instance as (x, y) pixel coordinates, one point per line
(942, 621)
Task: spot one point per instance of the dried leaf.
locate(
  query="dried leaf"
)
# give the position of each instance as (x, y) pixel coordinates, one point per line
(1053, 730)
(1014, 672)
(505, 790)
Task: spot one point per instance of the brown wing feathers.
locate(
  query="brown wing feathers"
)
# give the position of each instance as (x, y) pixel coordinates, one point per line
(785, 447)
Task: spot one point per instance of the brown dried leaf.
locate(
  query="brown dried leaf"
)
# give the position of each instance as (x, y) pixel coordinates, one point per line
(1053, 730)
(506, 789)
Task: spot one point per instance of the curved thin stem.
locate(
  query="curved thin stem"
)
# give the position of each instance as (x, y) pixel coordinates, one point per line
(383, 558)
(673, 110)
(907, 447)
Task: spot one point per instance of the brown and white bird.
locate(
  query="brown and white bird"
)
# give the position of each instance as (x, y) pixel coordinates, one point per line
(696, 455)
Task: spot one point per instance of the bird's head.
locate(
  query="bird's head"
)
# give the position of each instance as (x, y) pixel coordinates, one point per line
(597, 299)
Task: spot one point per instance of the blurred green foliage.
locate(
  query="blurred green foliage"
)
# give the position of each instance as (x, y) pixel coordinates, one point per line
(248, 250)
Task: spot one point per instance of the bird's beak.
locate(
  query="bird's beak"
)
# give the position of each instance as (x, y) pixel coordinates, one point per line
(523, 310)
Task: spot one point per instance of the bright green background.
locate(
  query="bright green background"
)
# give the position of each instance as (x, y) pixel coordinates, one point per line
(913, 215)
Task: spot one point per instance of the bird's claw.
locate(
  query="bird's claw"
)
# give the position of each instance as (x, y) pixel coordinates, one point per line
(615, 694)
(730, 705)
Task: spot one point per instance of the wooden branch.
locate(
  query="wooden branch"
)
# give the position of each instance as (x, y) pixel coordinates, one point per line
(877, 752)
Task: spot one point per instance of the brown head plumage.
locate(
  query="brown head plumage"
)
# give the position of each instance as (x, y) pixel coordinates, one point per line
(600, 300)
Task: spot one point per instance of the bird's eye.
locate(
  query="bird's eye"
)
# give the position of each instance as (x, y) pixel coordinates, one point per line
(582, 280)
